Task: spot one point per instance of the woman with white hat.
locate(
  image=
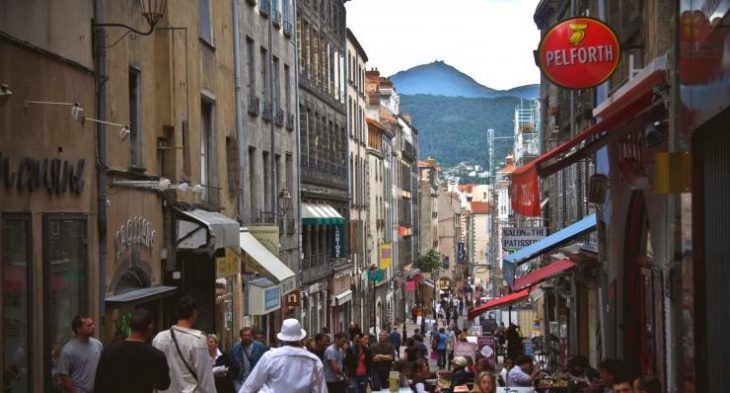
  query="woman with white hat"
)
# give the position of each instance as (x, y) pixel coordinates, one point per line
(290, 368)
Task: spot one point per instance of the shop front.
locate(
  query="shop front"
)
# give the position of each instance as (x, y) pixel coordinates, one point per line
(341, 302)
(134, 270)
(207, 268)
(260, 250)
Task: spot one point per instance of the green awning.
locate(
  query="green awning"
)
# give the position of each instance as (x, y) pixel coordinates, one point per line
(320, 214)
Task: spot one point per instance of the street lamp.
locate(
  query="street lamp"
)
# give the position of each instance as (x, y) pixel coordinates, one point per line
(374, 275)
(284, 201)
(152, 10)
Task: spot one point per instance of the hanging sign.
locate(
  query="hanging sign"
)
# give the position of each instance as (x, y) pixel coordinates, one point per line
(579, 53)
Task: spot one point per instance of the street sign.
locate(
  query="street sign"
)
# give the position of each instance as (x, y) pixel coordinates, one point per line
(579, 53)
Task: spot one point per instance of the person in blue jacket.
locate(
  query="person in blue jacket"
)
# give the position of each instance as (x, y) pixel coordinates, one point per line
(247, 353)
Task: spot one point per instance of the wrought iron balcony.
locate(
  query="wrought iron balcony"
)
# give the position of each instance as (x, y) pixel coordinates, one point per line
(279, 119)
(290, 122)
(264, 8)
(266, 115)
(253, 105)
(324, 173)
(287, 29)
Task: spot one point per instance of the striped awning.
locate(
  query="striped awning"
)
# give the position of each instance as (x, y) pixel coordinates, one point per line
(320, 214)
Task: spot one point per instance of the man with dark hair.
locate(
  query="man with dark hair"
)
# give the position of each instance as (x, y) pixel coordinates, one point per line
(522, 374)
(611, 370)
(132, 365)
(334, 358)
(321, 341)
(247, 353)
(622, 385)
(186, 350)
(289, 368)
(647, 384)
(80, 357)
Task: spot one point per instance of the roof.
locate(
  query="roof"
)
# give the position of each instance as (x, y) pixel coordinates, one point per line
(466, 187)
(357, 45)
(509, 168)
(480, 207)
(375, 123)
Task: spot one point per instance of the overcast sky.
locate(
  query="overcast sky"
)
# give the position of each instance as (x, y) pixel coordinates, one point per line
(490, 40)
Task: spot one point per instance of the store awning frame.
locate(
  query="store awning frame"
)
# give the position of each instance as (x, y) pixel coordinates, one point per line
(544, 273)
(220, 230)
(511, 261)
(341, 298)
(320, 214)
(141, 295)
(503, 301)
(637, 96)
(268, 261)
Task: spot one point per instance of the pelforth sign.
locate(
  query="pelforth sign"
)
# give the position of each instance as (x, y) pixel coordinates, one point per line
(579, 53)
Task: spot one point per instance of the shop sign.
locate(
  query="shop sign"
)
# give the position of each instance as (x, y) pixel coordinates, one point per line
(55, 175)
(386, 255)
(272, 298)
(292, 298)
(267, 235)
(338, 242)
(514, 238)
(579, 53)
(228, 265)
(137, 232)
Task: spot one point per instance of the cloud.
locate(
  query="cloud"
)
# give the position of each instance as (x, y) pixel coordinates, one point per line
(490, 40)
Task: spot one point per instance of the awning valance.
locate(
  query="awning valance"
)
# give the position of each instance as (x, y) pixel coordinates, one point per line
(499, 302)
(320, 214)
(510, 262)
(626, 103)
(543, 274)
(268, 261)
(140, 295)
(201, 228)
(341, 298)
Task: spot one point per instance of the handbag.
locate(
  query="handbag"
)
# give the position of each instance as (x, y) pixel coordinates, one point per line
(179, 352)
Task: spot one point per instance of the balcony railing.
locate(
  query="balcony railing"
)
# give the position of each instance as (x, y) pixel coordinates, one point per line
(264, 7)
(290, 122)
(409, 150)
(287, 29)
(323, 173)
(314, 269)
(266, 115)
(279, 120)
(253, 105)
(276, 18)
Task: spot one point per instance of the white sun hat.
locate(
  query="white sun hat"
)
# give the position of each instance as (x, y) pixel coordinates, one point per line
(291, 330)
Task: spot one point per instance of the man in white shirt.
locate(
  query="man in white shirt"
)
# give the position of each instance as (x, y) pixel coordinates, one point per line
(186, 350)
(518, 375)
(290, 368)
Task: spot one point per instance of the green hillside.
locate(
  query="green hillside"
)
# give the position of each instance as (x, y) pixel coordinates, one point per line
(454, 129)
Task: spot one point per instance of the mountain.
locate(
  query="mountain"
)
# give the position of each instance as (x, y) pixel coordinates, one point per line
(441, 79)
(454, 129)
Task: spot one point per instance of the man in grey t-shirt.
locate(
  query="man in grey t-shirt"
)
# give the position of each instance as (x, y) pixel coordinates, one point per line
(334, 357)
(79, 357)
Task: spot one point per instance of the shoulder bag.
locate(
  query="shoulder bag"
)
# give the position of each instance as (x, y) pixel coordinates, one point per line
(179, 352)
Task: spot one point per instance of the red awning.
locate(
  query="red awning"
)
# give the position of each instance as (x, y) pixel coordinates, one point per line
(543, 274)
(499, 302)
(625, 104)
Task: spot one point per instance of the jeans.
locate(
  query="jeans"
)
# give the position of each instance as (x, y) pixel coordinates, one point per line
(442, 358)
(379, 380)
(359, 384)
(336, 387)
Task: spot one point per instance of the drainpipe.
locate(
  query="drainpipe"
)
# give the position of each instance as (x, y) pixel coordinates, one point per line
(240, 134)
(100, 17)
(298, 159)
(272, 94)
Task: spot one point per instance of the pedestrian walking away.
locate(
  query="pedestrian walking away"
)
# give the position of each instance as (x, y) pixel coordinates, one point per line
(247, 353)
(334, 360)
(225, 367)
(186, 350)
(80, 357)
(289, 368)
(132, 365)
(395, 340)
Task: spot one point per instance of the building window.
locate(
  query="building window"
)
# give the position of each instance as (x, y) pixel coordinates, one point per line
(265, 75)
(207, 152)
(204, 21)
(251, 66)
(16, 258)
(253, 184)
(276, 91)
(287, 88)
(65, 267)
(135, 117)
(267, 181)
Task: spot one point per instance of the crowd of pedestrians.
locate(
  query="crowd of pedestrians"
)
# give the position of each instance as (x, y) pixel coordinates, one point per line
(184, 359)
